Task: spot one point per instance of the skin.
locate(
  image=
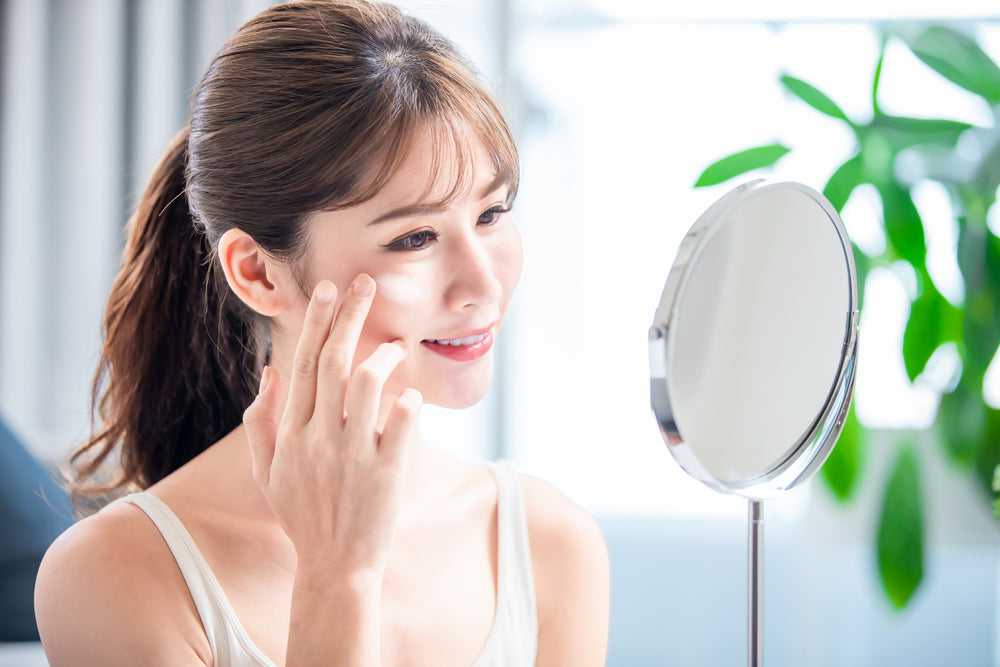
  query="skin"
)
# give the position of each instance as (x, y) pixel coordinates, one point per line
(338, 535)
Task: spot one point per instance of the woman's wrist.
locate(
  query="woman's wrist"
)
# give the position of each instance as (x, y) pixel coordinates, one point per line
(335, 618)
(323, 576)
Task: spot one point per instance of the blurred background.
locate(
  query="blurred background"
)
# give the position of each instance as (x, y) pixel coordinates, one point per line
(618, 106)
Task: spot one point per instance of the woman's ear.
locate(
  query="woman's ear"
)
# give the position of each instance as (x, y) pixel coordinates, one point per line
(255, 277)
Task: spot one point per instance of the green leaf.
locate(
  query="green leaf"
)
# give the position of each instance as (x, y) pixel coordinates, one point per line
(962, 421)
(903, 225)
(843, 468)
(932, 321)
(902, 132)
(959, 59)
(877, 77)
(814, 97)
(843, 181)
(901, 531)
(877, 157)
(981, 328)
(979, 261)
(988, 456)
(862, 266)
(982, 185)
(740, 163)
(921, 337)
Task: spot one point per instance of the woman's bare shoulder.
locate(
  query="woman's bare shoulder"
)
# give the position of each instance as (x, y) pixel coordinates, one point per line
(557, 526)
(572, 577)
(108, 592)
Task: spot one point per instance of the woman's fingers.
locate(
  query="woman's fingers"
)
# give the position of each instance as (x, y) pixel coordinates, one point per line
(337, 356)
(315, 331)
(400, 426)
(334, 484)
(261, 423)
(365, 391)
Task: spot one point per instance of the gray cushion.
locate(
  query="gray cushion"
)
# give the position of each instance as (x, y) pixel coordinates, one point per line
(33, 511)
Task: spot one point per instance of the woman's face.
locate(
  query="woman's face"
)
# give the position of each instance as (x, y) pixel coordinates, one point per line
(443, 274)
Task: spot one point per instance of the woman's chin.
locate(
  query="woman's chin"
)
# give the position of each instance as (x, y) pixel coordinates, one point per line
(457, 397)
(455, 404)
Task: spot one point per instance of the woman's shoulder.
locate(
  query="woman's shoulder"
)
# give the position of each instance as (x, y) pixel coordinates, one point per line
(572, 576)
(559, 529)
(108, 592)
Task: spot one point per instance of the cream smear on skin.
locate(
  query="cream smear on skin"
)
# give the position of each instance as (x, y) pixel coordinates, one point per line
(404, 290)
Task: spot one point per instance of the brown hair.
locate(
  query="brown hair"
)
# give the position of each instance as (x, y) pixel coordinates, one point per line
(310, 106)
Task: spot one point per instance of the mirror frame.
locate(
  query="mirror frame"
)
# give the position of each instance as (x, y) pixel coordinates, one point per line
(814, 446)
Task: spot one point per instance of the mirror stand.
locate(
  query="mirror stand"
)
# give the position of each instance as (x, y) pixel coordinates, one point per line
(755, 583)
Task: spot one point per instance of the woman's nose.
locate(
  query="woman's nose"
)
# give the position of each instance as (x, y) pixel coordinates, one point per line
(473, 279)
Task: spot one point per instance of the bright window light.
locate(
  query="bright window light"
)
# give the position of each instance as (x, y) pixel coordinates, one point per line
(621, 117)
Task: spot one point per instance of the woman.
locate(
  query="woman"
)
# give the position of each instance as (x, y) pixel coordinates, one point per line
(329, 243)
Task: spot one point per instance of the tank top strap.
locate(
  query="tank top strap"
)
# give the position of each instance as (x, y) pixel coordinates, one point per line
(515, 640)
(229, 641)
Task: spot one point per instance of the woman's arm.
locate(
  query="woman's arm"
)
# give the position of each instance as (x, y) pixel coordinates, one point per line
(334, 616)
(572, 579)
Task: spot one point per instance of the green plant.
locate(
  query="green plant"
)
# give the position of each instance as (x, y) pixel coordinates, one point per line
(968, 427)
(996, 488)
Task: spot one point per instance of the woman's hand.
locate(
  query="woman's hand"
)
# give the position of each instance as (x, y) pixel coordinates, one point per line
(333, 481)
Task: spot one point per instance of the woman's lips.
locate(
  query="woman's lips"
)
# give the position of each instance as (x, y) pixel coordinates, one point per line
(464, 348)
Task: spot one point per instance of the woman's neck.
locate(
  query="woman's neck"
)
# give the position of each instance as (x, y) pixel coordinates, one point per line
(230, 465)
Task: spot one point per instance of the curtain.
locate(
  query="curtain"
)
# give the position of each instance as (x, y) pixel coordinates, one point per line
(92, 90)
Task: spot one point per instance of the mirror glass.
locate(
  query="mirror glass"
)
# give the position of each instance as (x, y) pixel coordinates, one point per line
(754, 343)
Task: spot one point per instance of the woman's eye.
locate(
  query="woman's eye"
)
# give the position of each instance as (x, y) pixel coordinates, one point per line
(414, 241)
(491, 215)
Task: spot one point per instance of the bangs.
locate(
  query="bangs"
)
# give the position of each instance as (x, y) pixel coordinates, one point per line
(459, 135)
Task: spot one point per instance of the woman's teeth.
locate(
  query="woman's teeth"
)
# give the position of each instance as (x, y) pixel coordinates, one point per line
(468, 340)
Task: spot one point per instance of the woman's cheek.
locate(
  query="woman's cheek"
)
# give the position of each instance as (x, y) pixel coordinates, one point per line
(403, 290)
(395, 312)
(511, 258)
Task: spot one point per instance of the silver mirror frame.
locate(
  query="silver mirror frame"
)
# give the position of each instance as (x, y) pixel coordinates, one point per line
(814, 446)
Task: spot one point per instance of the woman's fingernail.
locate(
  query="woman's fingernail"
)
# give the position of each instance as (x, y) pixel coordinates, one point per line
(265, 378)
(363, 285)
(324, 291)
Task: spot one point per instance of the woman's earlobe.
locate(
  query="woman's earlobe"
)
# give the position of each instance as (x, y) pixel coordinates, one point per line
(251, 273)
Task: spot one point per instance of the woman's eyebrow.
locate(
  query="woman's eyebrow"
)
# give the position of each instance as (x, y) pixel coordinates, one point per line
(422, 208)
(498, 180)
(408, 211)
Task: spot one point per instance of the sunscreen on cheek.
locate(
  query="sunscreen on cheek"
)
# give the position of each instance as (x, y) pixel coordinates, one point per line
(402, 289)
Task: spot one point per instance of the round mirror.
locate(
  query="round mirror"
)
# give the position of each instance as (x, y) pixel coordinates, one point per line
(754, 342)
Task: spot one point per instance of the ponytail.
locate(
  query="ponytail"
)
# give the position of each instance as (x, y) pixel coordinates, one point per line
(179, 361)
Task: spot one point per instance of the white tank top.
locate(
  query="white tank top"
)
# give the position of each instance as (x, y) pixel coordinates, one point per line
(513, 639)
